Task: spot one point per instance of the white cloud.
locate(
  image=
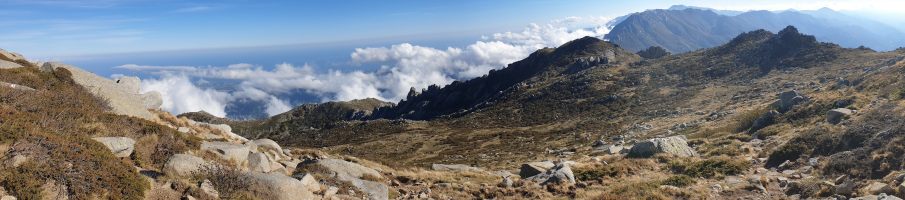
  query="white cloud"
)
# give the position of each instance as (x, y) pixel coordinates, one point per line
(180, 96)
(135, 67)
(401, 67)
(276, 106)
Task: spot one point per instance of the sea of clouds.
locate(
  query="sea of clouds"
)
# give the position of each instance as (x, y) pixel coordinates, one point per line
(401, 67)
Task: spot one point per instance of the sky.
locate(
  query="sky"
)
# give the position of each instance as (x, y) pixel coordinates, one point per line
(210, 54)
(55, 28)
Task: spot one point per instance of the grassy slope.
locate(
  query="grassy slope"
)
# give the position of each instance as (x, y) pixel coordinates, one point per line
(53, 126)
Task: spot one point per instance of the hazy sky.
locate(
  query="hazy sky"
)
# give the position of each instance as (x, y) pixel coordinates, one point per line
(50, 28)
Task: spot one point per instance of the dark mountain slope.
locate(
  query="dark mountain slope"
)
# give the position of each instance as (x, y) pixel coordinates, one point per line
(691, 29)
(463, 97)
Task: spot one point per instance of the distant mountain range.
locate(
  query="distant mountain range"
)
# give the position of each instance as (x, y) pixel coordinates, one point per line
(684, 28)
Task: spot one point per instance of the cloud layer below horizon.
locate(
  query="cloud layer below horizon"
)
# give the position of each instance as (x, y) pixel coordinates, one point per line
(401, 67)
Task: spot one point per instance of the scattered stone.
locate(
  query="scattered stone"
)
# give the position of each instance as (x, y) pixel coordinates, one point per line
(455, 167)
(120, 146)
(674, 145)
(534, 168)
(835, 116)
(183, 165)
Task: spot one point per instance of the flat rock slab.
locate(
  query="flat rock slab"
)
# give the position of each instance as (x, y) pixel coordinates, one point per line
(120, 146)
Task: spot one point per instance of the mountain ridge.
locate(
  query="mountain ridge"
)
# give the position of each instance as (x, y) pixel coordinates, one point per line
(695, 28)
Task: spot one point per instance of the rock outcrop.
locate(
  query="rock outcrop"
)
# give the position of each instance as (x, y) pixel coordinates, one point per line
(560, 173)
(352, 173)
(787, 100)
(122, 95)
(535, 168)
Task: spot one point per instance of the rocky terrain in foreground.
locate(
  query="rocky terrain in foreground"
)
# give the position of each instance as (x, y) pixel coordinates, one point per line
(765, 116)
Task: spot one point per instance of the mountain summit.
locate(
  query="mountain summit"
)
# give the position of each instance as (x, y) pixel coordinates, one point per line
(681, 30)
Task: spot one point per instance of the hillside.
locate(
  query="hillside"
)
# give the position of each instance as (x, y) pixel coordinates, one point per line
(682, 29)
(766, 116)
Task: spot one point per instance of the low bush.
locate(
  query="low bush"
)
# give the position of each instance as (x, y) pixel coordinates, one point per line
(709, 168)
(679, 180)
(229, 182)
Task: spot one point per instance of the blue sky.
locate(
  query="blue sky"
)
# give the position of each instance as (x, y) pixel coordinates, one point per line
(53, 28)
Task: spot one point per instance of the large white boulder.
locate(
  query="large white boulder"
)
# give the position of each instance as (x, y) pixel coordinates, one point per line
(183, 165)
(120, 146)
(278, 187)
(675, 145)
(237, 153)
